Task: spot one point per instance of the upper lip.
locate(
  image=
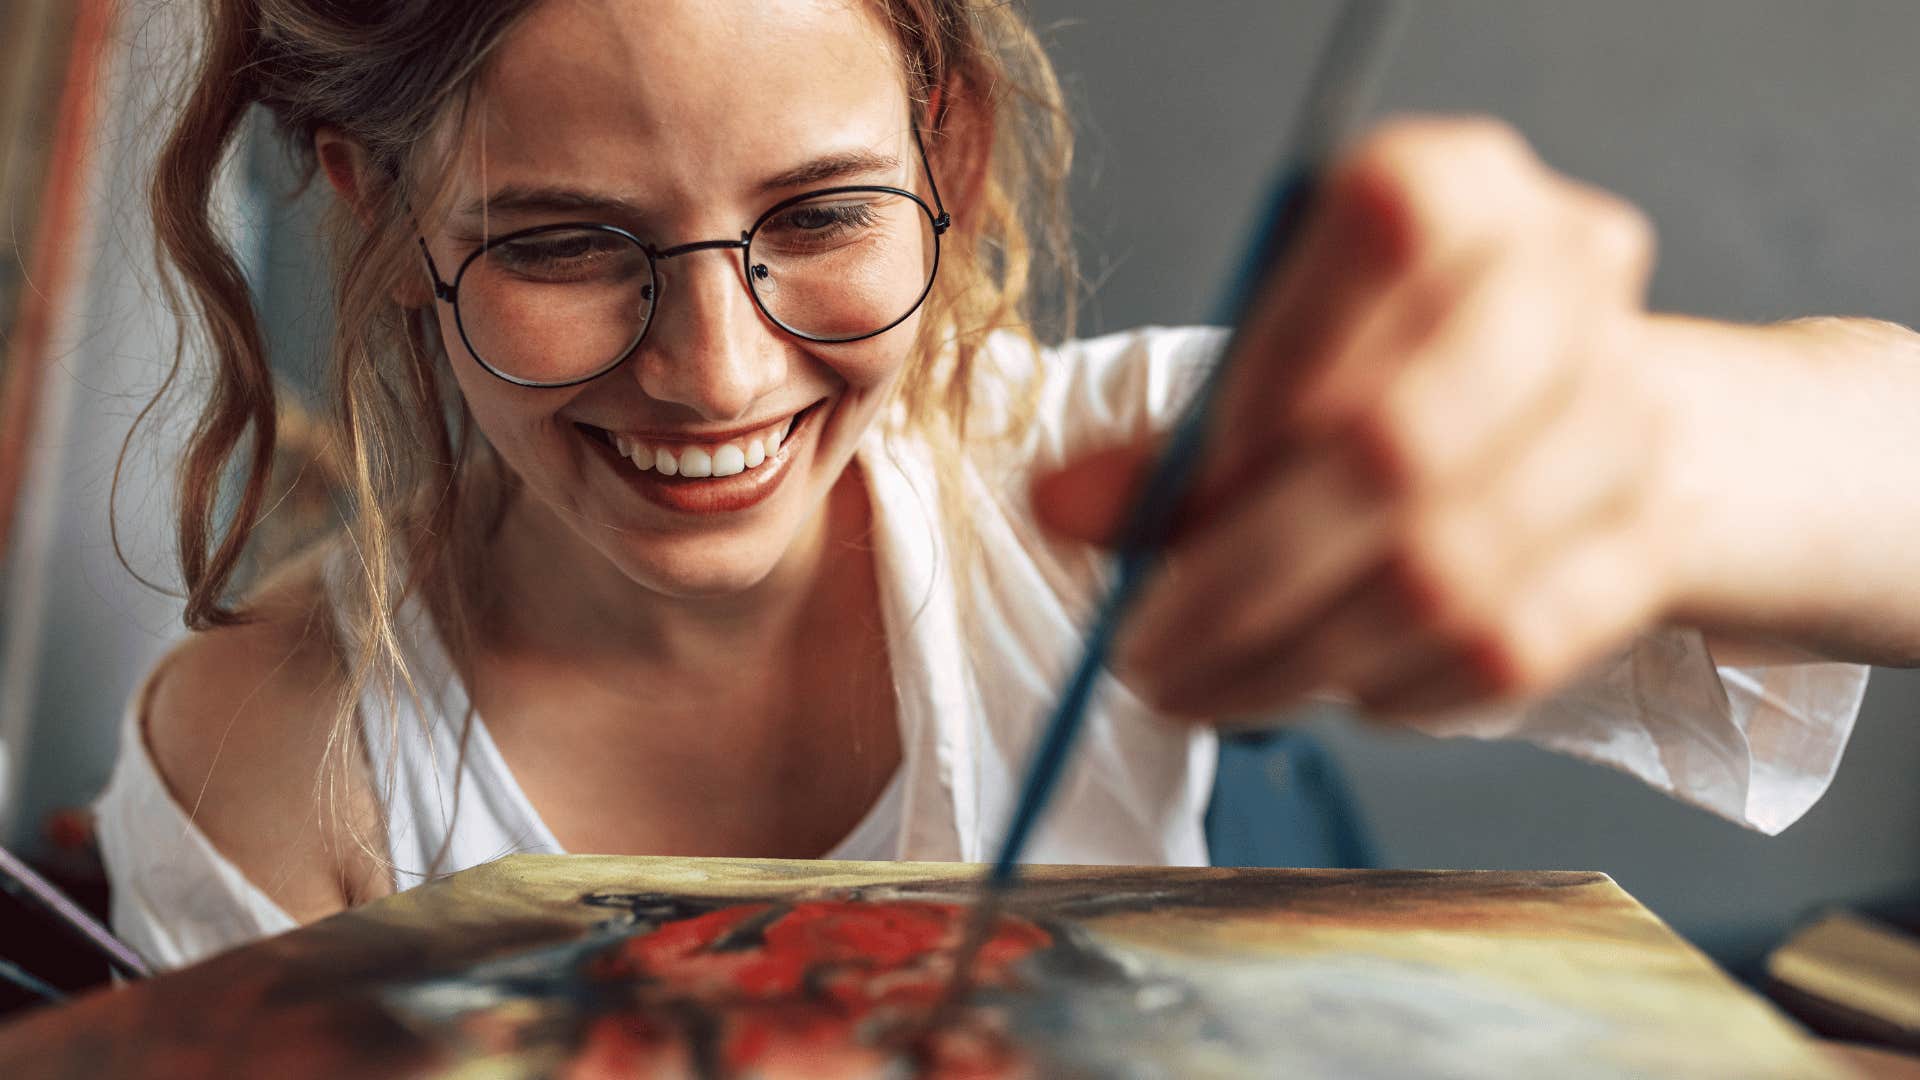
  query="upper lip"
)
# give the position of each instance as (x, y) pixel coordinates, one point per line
(704, 436)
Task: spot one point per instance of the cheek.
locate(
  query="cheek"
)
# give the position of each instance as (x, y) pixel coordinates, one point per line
(519, 423)
(877, 363)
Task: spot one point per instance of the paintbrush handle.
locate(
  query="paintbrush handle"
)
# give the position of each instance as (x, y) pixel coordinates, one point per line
(1336, 98)
(1150, 520)
(22, 880)
(31, 983)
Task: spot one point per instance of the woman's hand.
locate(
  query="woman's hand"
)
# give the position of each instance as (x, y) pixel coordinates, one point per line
(1442, 467)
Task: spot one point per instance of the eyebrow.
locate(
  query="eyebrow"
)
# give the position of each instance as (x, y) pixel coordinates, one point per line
(526, 199)
(831, 167)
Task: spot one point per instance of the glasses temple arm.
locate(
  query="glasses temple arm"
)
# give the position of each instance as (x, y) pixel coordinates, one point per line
(933, 186)
(441, 290)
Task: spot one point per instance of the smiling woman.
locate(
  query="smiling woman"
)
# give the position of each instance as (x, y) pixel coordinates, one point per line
(687, 375)
(595, 317)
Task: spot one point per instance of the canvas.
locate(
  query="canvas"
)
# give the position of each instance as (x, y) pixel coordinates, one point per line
(586, 966)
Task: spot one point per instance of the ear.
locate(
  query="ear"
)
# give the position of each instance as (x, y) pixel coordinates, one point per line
(351, 175)
(348, 170)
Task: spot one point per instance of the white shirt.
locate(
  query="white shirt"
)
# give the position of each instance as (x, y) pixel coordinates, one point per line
(1758, 746)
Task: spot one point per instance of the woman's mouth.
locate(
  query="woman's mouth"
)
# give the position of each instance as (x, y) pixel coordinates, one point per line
(706, 476)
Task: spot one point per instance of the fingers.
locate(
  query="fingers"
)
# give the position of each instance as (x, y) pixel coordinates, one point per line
(1487, 597)
(1371, 594)
(1090, 497)
(1571, 615)
(1490, 374)
(1363, 630)
(1433, 241)
(1399, 228)
(1433, 236)
(1272, 556)
(1426, 479)
(1406, 209)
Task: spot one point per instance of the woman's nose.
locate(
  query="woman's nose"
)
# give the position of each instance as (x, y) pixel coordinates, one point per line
(708, 347)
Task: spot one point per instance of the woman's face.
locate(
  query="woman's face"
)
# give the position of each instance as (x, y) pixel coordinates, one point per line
(681, 121)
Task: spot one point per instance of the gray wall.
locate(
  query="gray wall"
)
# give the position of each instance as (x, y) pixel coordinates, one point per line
(1777, 146)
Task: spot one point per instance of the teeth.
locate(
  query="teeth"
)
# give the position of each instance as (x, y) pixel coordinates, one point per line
(729, 460)
(695, 462)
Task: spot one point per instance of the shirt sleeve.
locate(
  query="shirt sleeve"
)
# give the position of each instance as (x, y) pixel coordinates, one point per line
(1103, 391)
(1756, 745)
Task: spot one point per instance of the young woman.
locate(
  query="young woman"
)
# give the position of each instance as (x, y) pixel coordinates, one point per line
(707, 495)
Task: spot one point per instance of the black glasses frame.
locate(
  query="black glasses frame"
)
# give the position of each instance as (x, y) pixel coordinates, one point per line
(449, 292)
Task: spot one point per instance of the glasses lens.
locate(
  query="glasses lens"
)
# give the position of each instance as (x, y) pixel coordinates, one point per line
(558, 305)
(841, 266)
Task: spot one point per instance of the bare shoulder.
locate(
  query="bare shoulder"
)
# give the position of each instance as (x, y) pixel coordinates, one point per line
(239, 721)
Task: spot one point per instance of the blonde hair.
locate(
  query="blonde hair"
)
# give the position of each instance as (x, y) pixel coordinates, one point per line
(419, 492)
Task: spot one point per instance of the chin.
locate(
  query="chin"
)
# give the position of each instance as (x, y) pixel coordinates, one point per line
(703, 568)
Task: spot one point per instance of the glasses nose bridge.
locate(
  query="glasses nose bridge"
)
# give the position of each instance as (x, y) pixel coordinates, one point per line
(663, 254)
(659, 256)
(725, 366)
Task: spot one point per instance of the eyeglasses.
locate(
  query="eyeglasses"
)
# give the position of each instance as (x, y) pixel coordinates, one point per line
(557, 305)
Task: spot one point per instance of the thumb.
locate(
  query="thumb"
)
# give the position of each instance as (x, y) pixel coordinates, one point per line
(1089, 497)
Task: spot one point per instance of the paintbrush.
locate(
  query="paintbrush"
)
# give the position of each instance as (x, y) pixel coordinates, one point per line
(1343, 82)
(18, 878)
(31, 983)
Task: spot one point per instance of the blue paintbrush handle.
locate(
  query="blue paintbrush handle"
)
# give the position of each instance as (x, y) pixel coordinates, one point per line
(1149, 522)
(1335, 100)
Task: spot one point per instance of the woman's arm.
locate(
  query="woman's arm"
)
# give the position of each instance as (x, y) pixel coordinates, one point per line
(1798, 473)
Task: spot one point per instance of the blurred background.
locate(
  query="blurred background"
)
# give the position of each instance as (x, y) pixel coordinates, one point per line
(1775, 144)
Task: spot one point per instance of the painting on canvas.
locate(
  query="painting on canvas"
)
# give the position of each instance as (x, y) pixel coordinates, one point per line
(733, 968)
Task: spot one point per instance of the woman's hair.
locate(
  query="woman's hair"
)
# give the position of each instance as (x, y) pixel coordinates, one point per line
(418, 489)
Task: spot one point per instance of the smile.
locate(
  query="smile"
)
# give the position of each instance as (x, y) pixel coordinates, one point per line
(697, 461)
(705, 476)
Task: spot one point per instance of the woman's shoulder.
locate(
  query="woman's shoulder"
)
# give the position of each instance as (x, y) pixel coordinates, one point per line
(239, 719)
(225, 687)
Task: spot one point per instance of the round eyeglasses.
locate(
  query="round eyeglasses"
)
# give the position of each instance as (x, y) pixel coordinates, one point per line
(557, 305)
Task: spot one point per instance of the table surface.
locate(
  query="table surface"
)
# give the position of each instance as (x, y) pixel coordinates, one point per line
(1321, 972)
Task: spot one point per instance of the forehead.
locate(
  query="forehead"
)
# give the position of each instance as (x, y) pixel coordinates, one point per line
(670, 99)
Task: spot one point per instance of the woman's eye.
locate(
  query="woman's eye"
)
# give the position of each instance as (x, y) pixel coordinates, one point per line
(821, 217)
(818, 222)
(564, 256)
